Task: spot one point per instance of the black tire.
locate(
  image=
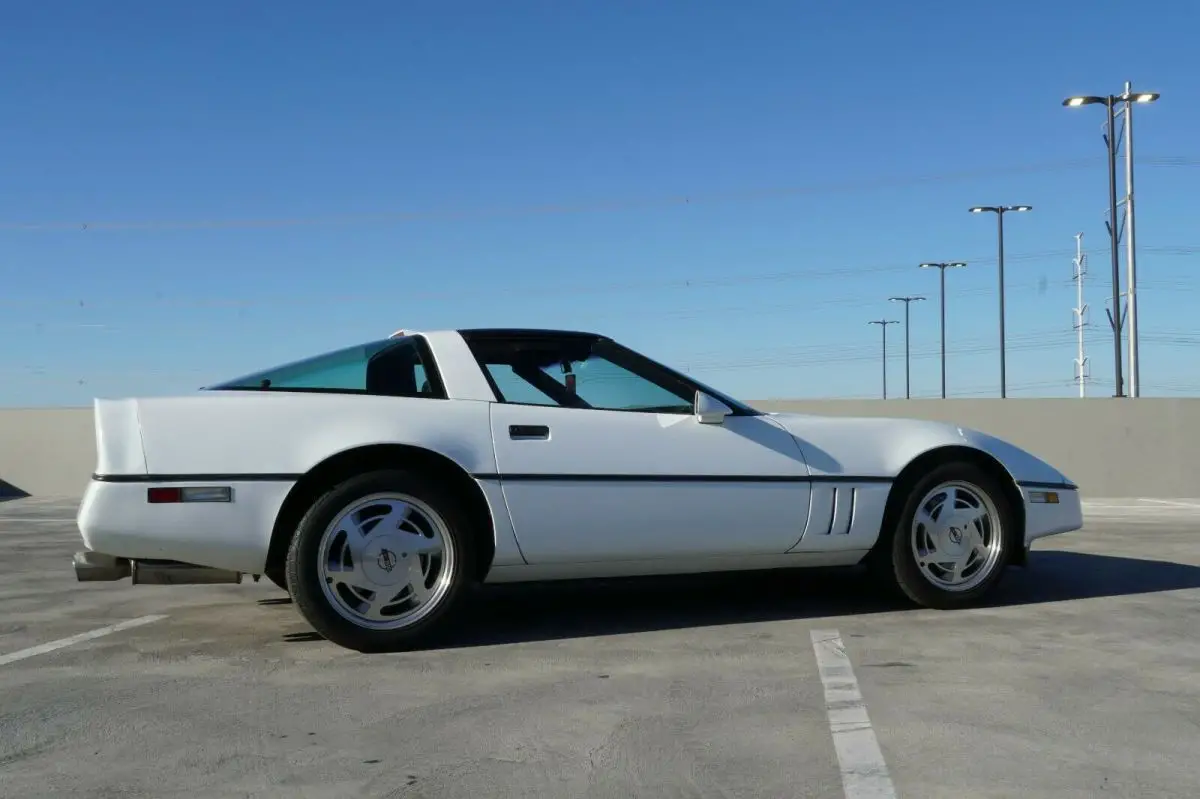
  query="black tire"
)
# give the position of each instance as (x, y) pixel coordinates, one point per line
(305, 582)
(896, 563)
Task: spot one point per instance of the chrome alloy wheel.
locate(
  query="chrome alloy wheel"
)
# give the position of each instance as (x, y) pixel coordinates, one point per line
(386, 561)
(957, 538)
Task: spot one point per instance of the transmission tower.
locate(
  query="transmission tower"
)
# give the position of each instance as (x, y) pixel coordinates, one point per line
(1082, 371)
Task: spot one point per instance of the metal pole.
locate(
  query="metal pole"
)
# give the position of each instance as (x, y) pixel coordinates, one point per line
(1135, 381)
(942, 267)
(1000, 229)
(1112, 234)
(883, 323)
(907, 371)
(907, 393)
(943, 271)
(1080, 309)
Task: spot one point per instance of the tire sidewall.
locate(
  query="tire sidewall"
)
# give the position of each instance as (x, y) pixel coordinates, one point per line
(908, 574)
(304, 581)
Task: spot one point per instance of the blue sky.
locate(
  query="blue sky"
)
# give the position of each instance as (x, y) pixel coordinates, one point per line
(736, 188)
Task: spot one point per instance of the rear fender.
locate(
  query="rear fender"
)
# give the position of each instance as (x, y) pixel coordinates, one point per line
(119, 447)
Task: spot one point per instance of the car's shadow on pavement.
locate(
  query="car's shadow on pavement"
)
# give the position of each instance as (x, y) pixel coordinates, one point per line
(507, 614)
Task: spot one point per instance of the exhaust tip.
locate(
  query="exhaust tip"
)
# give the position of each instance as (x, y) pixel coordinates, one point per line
(97, 567)
(176, 573)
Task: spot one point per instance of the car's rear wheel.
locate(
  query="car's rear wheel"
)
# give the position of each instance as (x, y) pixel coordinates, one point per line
(380, 562)
(950, 545)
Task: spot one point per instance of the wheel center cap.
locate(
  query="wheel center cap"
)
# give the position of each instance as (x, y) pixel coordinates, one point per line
(385, 561)
(955, 535)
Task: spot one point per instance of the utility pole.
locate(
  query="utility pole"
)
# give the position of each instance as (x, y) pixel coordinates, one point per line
(907, 301)
(1080, 312)
(1000, 211)
(942, 267)
(883, 323)
(1115, 315)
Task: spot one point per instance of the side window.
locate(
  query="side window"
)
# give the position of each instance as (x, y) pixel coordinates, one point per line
(514, 389)
(398, 371)
(391, 367)
(603, 384)
(577, 373)
(341, 370)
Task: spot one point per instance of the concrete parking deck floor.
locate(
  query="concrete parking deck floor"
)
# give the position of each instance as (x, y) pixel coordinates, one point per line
(1081, 679)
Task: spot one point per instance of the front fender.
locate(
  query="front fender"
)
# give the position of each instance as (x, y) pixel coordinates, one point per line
(1026, 468)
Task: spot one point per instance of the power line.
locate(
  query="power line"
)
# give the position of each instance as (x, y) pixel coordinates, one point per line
(803, 355)
(758, 309)
(622, 204)
(737, 277)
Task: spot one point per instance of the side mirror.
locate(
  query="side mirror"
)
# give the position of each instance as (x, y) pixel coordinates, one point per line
(709, 409)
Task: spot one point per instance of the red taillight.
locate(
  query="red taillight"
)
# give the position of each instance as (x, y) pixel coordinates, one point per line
(164, 495)
(161, 494)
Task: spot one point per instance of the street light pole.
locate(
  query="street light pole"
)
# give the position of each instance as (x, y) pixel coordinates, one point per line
(883, 323)
(907, 301)
(1135, 372)
(942, 267)
(1000, 211)
(1129, 98)
(1113, 233)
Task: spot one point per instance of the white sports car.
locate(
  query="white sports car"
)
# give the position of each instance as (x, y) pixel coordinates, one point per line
(379, 482)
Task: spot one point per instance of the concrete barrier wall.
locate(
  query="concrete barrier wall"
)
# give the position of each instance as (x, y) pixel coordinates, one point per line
(1112, 448)
(46, 451)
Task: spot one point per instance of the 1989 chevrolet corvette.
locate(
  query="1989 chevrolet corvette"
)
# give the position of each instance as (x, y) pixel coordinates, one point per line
(380, 482)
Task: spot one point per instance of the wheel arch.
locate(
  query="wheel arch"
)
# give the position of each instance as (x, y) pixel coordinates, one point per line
(367, 458)
(927, 460)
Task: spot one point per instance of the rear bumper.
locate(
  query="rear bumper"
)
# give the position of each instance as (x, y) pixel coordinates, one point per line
(118, 524)
(1043, 518)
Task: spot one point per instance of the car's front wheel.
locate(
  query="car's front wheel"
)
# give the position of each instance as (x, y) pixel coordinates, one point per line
(380, 562)
(951, 543)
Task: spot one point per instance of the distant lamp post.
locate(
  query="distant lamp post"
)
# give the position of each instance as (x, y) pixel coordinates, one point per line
(907, 301)
(1000, 211)
(1128, 97)
(942, 267)
(883, 323)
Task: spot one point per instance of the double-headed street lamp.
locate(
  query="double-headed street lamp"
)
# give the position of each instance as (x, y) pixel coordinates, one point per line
(883, 323)
(1129, 98)
(1000, 211)
(907, 301)
(942, 267)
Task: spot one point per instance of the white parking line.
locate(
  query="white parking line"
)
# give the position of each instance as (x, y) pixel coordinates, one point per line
(864, 774)
(22, 654)
(60, 519)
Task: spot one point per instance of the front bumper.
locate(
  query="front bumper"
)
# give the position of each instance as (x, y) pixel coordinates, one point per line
(1045, 518)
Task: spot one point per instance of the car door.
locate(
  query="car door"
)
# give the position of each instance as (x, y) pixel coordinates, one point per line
(629, 473)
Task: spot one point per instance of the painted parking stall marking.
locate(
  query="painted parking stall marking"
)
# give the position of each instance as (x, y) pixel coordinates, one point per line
(51, 646)
(864, 773)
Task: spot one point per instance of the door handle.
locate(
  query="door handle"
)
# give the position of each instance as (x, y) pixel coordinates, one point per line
(528, 431)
